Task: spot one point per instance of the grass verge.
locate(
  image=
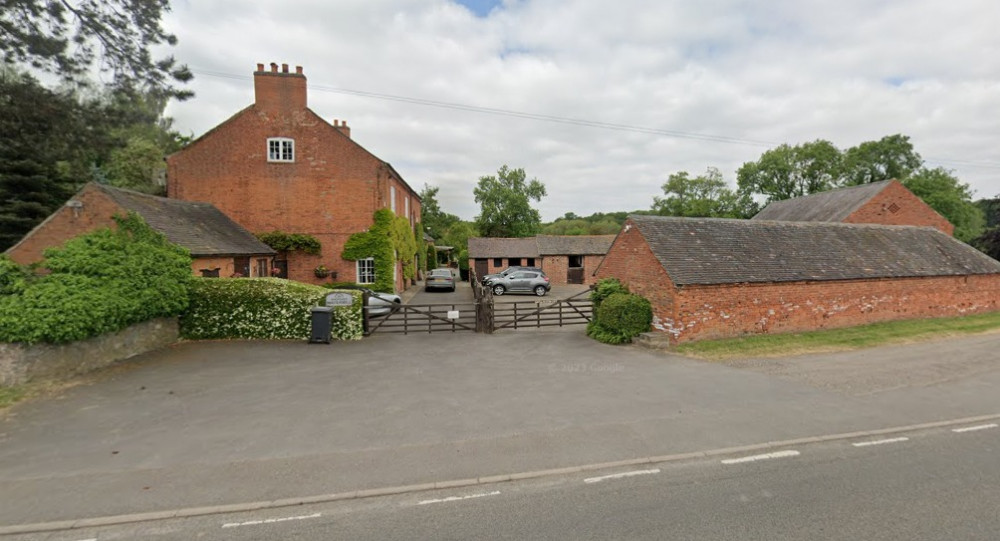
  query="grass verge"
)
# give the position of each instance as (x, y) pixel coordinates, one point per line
(11, 395)
(877, 334)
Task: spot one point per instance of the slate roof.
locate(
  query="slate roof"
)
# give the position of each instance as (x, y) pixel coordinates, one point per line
(829, 206)
(722, 251)
(574, 244)
(486, 247)
(200, 227)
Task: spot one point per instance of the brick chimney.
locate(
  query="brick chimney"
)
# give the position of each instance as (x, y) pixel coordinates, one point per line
(279, 89)
(342, 127)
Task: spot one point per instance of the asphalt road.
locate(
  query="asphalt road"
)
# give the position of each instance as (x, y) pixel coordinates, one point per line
(922, 485)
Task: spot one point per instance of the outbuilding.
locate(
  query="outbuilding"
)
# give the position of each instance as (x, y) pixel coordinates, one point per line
(566, 259)
(716, 278)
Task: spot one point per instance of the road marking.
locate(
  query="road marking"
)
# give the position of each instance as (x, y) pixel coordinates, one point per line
(974, 428)
(458, 498)
(879, 442)
(755, 458)
(270, 520)
(620, 475)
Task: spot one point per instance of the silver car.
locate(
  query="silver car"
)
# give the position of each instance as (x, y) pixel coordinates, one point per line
(522, 281)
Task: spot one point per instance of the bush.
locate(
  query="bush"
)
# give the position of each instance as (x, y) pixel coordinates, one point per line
(263, 308)
(619, 318)
(605, 288)
(100, 282)
(13, 277)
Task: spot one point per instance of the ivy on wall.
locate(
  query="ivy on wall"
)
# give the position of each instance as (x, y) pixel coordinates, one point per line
(287, 242)
(387, 241)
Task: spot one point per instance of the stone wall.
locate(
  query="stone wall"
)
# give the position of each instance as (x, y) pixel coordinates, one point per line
(21, 363)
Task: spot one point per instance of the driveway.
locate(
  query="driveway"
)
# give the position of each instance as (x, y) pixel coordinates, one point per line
(234, 421)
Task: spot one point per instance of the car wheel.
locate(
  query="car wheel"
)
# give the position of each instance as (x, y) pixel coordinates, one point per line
(499, 290)
(540, 291)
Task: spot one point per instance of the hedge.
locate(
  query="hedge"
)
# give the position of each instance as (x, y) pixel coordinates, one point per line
(262, 308)
(619, 318)
(100, 282)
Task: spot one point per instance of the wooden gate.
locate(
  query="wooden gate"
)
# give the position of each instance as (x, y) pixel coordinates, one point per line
(575, 310)
(422, 318)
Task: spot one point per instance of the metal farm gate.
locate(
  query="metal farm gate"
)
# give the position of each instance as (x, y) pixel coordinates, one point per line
(483, 315)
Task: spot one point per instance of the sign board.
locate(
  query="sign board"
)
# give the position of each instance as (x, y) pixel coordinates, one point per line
(339, 299)
(452, 314)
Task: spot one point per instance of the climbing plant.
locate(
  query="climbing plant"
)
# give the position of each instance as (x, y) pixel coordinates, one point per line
(287, 242)
(376, 243)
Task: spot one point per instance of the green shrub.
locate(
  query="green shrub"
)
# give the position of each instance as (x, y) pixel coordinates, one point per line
(13, 277)
(619, 318)
(100, 282)
(287, 242)
(263, 308)
(605, 288)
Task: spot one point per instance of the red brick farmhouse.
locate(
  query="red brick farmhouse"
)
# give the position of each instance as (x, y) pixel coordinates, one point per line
(716, 278)
(277, 165)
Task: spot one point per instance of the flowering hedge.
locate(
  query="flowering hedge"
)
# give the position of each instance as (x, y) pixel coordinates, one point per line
(263, 308)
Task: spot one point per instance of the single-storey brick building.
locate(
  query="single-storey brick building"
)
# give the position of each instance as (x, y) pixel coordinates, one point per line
(218, 245)
(887, 202)
(716, 278)
(566, 259)
(277, 165)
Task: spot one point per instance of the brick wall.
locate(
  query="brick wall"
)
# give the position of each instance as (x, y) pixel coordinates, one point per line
(557, 268)
(706, 312)
(96, 212)
(330, 191)
(896, 205)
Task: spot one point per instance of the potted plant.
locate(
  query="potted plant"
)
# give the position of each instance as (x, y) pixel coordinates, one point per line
(321, 271)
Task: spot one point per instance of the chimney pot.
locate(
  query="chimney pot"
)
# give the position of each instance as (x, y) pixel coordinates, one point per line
(298, 70)
(284, 68)
(274, 67)
(260, 67)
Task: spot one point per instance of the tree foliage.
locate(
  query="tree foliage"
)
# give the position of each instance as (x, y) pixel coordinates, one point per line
(69, 38)
(505, 203)
(892, 156)
(791, 171)
(704, 196)
(950, 198)
(434, 220)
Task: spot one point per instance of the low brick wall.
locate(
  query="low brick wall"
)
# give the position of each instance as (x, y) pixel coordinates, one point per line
(20, 363)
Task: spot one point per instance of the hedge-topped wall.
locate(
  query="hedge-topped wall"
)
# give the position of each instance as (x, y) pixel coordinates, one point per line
(263, 308)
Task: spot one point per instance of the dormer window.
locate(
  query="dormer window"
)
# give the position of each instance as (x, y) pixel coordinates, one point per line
(280, 149)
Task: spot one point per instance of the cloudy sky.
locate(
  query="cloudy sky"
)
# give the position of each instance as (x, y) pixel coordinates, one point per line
(600, 100)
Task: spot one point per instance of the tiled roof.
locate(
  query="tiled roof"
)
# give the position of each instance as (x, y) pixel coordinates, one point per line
(721, 251)
(200, 227)
(574, 244)
(486, 247)
(829, 206)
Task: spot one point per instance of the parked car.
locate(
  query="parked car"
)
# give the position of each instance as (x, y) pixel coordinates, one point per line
(379, 304)
(440, 279)
(521, 281)
(485, 280)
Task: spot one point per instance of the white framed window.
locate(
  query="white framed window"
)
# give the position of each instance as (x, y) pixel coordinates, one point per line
(280, 149)
(406, 205)
(366, 271)
(392, 198)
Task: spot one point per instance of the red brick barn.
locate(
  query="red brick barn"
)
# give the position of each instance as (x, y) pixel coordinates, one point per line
(887, 202)
(218, 245)
(277, 165)
(566, 259)
(716, 278)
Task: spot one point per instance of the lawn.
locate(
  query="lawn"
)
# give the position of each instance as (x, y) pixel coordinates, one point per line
(893, 332)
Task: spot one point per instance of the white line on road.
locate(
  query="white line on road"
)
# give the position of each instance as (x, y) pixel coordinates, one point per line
(974, 428)
(270, 520)
(620, 475)
(879, 442)
(755, 458)
(457, 498)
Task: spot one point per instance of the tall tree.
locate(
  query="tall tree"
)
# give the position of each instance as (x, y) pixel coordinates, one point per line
(950, 198)
(704, 196)
(434, 220)
(791, 171)
(69, 38)
(505, 203)
(891, 157)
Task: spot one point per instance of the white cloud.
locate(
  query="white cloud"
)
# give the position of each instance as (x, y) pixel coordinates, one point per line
(785, 71)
